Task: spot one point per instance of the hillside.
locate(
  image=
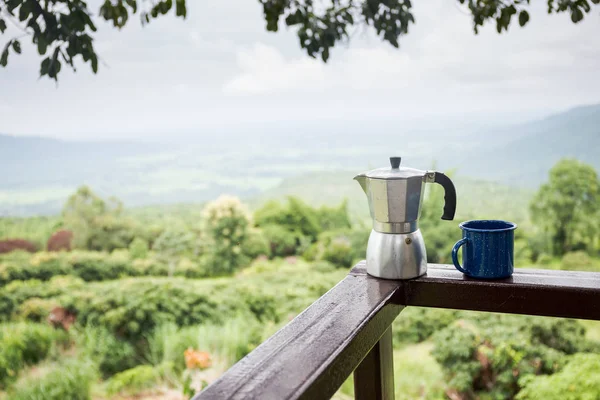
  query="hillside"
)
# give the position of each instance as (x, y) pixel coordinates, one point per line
(39, 173)
(526, 159)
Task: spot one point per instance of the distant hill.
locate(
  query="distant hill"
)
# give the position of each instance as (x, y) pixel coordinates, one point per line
(304, 158)
(536, 146)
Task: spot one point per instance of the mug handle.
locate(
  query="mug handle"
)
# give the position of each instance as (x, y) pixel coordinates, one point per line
(455, 254)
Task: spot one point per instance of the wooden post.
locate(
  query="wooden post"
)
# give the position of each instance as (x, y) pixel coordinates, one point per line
(374, 376)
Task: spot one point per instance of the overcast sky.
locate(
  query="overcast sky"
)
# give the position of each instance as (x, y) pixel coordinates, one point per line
(221, 68)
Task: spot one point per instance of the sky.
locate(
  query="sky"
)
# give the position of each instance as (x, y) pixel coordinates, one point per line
(219, 68)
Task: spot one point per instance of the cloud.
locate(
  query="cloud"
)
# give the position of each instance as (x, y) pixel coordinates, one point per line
(440, 50)
(264, 70)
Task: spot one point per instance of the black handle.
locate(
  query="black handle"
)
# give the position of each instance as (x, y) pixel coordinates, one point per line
(449, 195)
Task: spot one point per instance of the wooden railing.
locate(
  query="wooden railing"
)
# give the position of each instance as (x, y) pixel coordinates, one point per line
(349, 329)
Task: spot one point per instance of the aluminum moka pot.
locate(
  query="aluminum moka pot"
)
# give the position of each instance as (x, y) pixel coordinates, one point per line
(396, 249)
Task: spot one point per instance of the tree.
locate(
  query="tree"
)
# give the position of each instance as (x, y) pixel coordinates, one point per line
(568, 206)
(173, 244)
(64, 29)
(227, 224)
(96, 224)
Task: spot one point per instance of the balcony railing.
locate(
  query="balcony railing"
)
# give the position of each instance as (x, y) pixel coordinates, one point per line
(348, 330)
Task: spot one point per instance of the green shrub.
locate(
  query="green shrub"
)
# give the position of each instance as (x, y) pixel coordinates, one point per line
(110, 354)
(342, 248)
(36, 309)
(256, 244)
(578, 261)
(490, 353)
(579, 379)
(137, 379)
(71, 380)
(339, 252)
(131, 308)
(151, 266)
(295, 216)
(282, 242)
(23, 344)
(41, 265)
(138, 248)
(96, 266)
(455, 350)
(334, 218)
(17, 292)
(417, 324)
(544, 259)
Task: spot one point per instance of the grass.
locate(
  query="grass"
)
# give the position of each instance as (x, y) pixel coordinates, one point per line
(416, 375)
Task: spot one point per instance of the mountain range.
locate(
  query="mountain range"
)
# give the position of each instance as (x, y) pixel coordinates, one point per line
(39, 173)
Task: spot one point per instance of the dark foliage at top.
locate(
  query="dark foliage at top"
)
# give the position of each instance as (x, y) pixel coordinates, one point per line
(62, 30)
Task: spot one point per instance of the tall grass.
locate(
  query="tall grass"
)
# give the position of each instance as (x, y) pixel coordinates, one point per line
(23, 344)
(71, 380)
(225, 343)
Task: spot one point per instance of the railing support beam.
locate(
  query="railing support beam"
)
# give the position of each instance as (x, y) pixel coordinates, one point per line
(374, 377)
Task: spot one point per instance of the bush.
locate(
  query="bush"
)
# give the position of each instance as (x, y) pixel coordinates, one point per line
(282, 242)
(256, 244)
(23, 344)
(579, 379)
(60, 241)
(334, 218)
(342, 248)
(131, 308)
(339, 253)
(295, 216)
(96, 266)
(138, 248)
(417, 324)
(491, 353)
(8, 245)
(17, 292)
(40, 265)
(109, 353)
(578, 261)
(137, 379)
(72, 380)
(544, 259)
(36, 309)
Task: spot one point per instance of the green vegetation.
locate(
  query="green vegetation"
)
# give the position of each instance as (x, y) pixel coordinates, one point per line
(71, 380)
(567, 208)
(67, 29)
(149, 303)
(579, 379)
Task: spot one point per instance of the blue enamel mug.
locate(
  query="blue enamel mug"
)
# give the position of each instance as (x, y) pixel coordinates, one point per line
(488, 249)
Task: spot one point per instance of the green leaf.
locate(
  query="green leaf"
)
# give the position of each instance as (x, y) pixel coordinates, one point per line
(4, 57)
(44, 67)
(576, 15)
(523, 17)
(180, 9)
(325, 54)
(25, 10)
(16, 45)
(94, 60)
(132, 4)
(2, 25)
(42, 45)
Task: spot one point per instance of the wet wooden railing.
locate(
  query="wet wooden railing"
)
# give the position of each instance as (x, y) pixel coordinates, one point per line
(348, 329)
